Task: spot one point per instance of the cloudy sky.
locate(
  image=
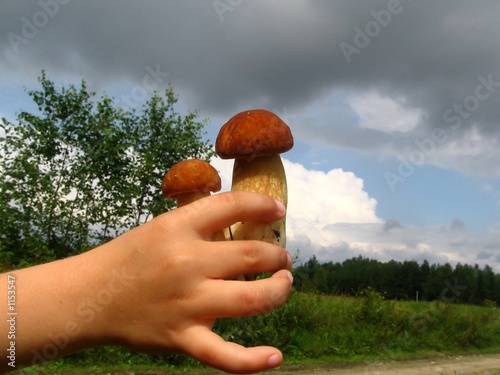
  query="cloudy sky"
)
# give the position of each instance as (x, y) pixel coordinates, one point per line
(394, 105)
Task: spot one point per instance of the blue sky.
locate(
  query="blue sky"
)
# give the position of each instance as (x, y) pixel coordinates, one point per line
(394, 105)
(430, 196)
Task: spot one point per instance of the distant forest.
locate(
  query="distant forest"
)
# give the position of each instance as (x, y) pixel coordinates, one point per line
(408, 280)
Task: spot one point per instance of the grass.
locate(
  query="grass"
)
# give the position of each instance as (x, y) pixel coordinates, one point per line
(344, 328)
(315, 329)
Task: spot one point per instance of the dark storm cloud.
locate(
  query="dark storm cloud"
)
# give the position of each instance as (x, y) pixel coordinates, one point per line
(230, 55)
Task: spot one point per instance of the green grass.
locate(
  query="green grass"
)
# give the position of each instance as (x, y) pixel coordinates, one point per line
(343, 328)
(314, 329)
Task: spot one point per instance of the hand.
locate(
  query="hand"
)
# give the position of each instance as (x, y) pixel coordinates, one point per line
(177, 282)
(158, 288)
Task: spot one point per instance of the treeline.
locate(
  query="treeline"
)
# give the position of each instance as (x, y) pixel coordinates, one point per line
(408, 280)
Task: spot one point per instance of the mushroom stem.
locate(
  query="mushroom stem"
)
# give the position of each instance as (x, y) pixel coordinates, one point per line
(265, 175)
(187, 198)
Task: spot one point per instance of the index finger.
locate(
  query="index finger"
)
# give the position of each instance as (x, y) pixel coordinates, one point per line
(222, 210)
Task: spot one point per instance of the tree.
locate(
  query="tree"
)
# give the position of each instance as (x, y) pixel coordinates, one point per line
(400, 280)
(82, 170)
(320, 280)
(489, 283)
(465, 276)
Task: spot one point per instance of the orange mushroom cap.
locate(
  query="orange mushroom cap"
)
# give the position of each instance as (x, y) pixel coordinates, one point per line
(255, 132)
(189, 176)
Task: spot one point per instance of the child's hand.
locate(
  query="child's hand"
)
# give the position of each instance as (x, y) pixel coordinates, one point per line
(177, 282)
(157, 289)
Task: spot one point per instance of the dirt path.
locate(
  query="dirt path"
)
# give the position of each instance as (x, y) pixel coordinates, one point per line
(461, 365)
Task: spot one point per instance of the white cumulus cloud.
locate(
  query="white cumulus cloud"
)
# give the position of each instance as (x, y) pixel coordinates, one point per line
(316, 199)
(384, 114)
(332, 217)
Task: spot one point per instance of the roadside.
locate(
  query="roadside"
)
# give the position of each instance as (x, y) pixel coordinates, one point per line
(464, 365)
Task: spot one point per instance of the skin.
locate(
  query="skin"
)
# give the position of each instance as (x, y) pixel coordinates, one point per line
(188, 198)
(156, 289)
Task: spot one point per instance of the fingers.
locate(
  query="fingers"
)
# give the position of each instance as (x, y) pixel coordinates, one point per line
(211, 349)
(238, 298)
(227, 259)
(221, 210)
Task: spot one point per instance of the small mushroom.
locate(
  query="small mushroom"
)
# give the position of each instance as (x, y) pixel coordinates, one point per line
(190, 180)
(255, 139)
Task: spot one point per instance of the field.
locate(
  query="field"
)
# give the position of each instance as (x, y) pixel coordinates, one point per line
(370, 326)
(346, 328)
(316, 330)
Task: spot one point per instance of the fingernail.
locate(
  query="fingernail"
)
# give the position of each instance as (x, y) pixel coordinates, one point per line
(274, 360)
(281, 207)
(290, 277)
(290, 260)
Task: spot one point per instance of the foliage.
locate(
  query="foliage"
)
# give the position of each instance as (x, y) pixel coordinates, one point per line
(401, 280)
(314, 326)
(82, 170)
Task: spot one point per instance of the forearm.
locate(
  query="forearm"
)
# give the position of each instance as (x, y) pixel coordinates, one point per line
(54, 309)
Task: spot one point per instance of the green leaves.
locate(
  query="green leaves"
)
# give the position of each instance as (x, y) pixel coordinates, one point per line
(81, 170)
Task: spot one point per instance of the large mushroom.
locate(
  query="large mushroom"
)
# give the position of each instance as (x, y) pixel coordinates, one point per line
(255, 138)
(190, 180)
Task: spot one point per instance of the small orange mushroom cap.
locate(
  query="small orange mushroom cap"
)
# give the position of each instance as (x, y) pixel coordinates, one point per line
(190, 176)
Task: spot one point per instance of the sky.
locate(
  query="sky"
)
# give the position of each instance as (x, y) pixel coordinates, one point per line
(393, 104)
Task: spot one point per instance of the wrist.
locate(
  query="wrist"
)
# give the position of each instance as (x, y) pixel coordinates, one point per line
(63, 306)
(98, 310)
